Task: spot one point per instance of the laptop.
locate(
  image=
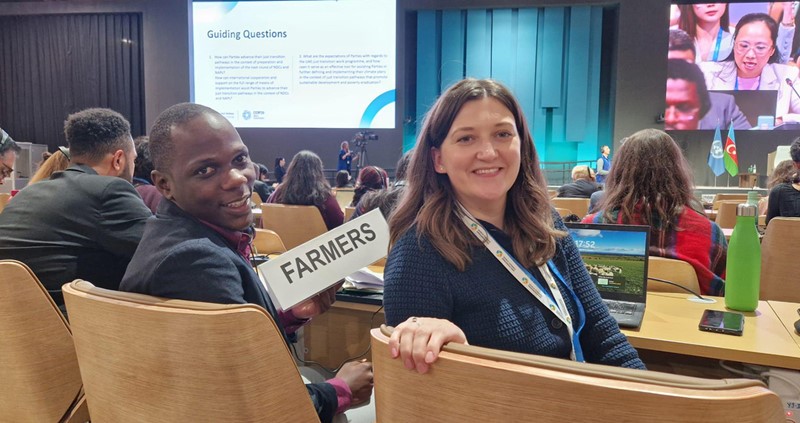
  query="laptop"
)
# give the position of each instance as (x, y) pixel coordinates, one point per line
(616, 258)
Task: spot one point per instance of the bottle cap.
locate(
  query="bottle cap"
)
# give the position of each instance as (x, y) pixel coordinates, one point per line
(745, 209)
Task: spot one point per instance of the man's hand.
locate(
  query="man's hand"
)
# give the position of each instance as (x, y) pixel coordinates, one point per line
(358, 376)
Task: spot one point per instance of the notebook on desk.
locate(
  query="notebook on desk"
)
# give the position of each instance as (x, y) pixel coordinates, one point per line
(616, 258)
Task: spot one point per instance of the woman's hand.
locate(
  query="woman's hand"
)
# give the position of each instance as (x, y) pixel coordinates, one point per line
(358, 376)
(418, 340)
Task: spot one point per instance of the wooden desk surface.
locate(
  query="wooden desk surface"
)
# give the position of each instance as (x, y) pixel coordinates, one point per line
(670, 325)
(787, 313)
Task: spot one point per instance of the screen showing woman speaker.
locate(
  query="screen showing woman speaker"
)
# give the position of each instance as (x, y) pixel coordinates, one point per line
(733, 65)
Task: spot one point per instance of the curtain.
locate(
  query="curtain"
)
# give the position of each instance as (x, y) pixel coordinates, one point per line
(54, 65)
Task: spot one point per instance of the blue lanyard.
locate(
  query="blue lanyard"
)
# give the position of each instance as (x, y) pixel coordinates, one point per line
(716, 48)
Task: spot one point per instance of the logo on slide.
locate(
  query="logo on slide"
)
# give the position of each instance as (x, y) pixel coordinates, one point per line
(246, 115)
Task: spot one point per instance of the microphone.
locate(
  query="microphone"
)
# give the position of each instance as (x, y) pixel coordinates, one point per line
(791, 84)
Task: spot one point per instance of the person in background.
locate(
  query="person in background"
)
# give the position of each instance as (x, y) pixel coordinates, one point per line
(261, 187)
(784, 198)
(197, 246)
(722, 111)
(370, 178)
(84, 222)
(305, 185)
(783, 173)
(345, 157)
(279, 169)
(603, 164)
(342, 179)
(386, 200)
(687, 99)
(651, 184)
(583, 184)
(474, 188)
(141, 174)
(57, 162)
(755, 64)
(8, 155)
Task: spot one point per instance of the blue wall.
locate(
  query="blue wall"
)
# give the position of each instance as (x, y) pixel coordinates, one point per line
(549, 57)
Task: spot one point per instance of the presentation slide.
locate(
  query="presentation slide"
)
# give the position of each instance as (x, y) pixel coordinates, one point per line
(296, 64)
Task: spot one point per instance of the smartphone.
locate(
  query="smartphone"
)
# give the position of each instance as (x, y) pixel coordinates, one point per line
(722, 322)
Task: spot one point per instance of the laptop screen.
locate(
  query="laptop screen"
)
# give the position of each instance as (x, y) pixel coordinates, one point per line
(615, 257)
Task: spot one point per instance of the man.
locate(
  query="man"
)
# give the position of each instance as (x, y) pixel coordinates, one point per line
(8, 155)
(583, 184)
(723, 110)
(86, 221)
(603, 164)
(687, 98)
(197, 247)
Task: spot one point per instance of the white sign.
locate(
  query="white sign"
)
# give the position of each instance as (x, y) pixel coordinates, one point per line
(318, 264)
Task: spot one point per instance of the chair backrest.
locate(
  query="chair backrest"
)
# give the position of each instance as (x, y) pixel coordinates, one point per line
(344, 196)
(4, 198)
(727, 197)
(144, 359)
(348, 212)
(563, 212)
(578, 206)
(726, 214)
(39, 376)
(268, 242)
(294, 224)
(777, 260)
(256, 199)
(677, 271)
(469, 383)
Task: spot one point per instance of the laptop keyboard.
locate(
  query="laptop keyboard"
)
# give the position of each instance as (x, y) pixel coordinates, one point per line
(621, 307)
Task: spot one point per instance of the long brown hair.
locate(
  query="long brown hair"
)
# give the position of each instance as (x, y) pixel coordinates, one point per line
(304, 183)
(688, 20)
(430, 201)
(650, 177)
(784, 172)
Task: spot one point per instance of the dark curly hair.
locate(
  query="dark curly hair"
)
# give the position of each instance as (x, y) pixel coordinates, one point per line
(162, 148)
(144, 166)
(93, 133)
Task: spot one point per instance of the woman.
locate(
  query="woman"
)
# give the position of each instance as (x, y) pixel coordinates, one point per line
(476, 173)
(279, 169)
(708, 24)
(345, 157)
(142, 181)
(754, 64)
(57, 161)
(342, 179)
(651, 184)
(784, 199)
(305, 185)
(783, 173)
(370, 178)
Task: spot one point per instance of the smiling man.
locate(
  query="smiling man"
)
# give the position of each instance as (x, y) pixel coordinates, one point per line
(197, 247)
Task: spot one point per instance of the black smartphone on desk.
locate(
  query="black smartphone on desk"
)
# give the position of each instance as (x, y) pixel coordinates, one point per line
(722, 322)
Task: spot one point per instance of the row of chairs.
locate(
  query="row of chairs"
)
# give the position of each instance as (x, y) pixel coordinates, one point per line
(143, 358)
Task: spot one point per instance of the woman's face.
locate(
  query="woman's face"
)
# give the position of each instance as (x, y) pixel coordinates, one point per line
(709, 12)
(752, 49)
(283, 162)
(481, 153)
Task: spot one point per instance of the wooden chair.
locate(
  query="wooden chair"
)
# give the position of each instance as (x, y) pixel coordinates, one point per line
(578, 206)
(778, 255)
(552, 193)
(4, 199)
(741, 198)
(294, 224)
(255, 199)
(563, 212)
(469, 383)
(268, 242)
(147, 359)
(677, 271)
(344, 196)
(40, 380)
(348, 213)
(726, 214)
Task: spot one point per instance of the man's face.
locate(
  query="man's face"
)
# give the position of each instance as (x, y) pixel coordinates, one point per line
(683, 105)
(7, 161)
(130, 162)
(211, 176)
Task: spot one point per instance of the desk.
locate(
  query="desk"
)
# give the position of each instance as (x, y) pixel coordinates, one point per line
(341, 333)
(727, 232)
(670, 325)
(787, 313)
(711, 214)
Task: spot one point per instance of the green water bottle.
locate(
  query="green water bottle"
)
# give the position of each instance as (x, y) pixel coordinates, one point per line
(743, 269)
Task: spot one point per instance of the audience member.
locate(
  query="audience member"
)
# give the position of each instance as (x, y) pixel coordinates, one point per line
(784, 199)
(651, 184)
(583, 184)
(55, 163)
(603, 164)
(370, 178)
(305, 185)
(8, 155)
(722, 111)
(142, 179)
(86, 221)
(387, 199)
(197, 247)
(784, 172)
(342, 179)
(475, 187)
(279, 169)
(755, 65)
(261, 187)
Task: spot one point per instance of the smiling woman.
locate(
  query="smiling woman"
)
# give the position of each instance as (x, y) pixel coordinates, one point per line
(477, 250)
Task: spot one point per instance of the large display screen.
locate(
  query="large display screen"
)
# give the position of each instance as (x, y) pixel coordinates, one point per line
(733, 64)
(296, 64)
